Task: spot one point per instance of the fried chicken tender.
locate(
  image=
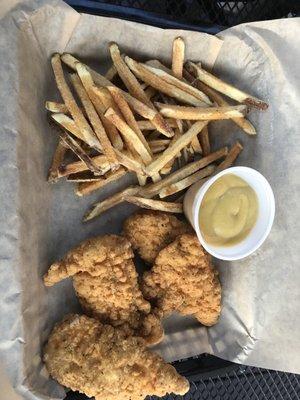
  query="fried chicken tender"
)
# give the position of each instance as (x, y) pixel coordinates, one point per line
(99, 360)
(183, 280)
(150, 231)
(106, 283)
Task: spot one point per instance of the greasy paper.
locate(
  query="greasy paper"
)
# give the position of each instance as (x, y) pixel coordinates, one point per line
(39, 222)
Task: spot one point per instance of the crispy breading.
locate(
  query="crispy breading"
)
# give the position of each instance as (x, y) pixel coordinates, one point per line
(106, 283)
(105, 250)
(150, 231)
(114, 297)
(99, 360)
(184, 280)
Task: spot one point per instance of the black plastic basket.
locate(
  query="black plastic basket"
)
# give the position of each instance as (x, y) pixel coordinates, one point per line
(211, 378)
(209, 16)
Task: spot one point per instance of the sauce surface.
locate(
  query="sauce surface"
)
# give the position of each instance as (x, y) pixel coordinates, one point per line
(228, 211)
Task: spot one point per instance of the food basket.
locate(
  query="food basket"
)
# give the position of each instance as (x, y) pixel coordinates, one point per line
(210, 377)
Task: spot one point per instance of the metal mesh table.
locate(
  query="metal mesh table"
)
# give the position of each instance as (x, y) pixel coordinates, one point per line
(210, 377)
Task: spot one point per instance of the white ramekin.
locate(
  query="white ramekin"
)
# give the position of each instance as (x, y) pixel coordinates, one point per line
(261, 229)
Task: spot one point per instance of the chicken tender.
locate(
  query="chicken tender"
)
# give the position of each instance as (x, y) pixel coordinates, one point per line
(105, 250)
(106, 283)
(183, 280)
(150, 231)
(99, 360)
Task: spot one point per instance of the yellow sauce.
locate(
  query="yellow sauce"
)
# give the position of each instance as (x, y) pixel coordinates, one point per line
(228, 211)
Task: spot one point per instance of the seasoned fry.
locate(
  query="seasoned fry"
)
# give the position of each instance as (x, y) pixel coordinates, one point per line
(130, 163)
(71, 62)
(102, 100)
(128, 115)
(129, 135)
(55, 107)
(150, 92)
(178, 57)
(220, 101)
(95, 120)
(224, 87)
(180, 84)
(78, 150)
(88, 84)
(69, 100)
(148, 126)
(144, 73)
(80, 166)
(86, 176)
(175, 148)
(186, 182)
(154, 188)
(57, 160)
(86, 188)
(200, 113)
(231, 157)
(68, 124)
(112, 201)
(204, 140)
(127, 76)
(111, 73)
(155, 204)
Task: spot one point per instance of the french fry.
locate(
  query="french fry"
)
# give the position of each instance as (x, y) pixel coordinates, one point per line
(68, 124)
(110, 202)
(156, 149)
(180, 84)
(57, 160)
(231, 157)
(94, 120)
(224, 87)
(71, 62)
(175, 148)
(157, 64)
(69, 100)
(126, 112)
(204, 140)
(55, 107)
(148, 126)
(200, 113)
(86, 188)
(155, 204)
(242, 122)
(86, 176)
(78, 150)
(159, 142)
(80, 166)
(141, 108)
(111, 73)
(102, 101)
(178, 57)
(130, 163)
(144, 73)
(154, 188)
(129, 135)
(186, 182)
(150, 92)
(128, 115)
(127, 76)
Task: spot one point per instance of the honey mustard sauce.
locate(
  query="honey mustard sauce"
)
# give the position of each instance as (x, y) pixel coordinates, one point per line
(228, 211)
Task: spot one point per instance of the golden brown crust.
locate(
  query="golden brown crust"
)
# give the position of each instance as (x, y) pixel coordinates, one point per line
(184, 280)
(151, 231)
(114, 297)
(106, 283)
(104, 250)
(101, 361)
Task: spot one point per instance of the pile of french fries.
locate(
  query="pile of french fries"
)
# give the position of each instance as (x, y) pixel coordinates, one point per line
(154, 123)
